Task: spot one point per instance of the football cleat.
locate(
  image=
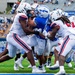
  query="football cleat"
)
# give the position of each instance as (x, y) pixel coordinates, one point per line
(30, 66)
(36, 70)
(42, 68)
(54, 67)
(69, 65)
(48, 63)
(19, 63)
(16, 68)
(48, 66)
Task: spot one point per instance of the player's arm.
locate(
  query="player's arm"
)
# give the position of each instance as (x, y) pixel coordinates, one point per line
(53, 32)
(29, 31)
(26, 29)
(31, 23)
(43, 36)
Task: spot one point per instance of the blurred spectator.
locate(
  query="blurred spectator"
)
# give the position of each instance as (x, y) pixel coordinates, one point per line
(35, 1)
(14, 7)
(41, 1)
(1, 19)
(5, 22)
(47, 1)
(72, 1)
(69, 3)
(12, 19)
(55, 2)
(64, 3)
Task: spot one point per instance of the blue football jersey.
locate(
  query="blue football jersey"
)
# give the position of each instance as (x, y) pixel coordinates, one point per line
(40, 22)
(48, 28)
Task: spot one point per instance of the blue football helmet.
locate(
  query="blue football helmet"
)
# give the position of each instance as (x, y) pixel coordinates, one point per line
(42, 11)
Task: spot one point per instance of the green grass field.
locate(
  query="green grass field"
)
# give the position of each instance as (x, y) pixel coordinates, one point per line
(7, 67)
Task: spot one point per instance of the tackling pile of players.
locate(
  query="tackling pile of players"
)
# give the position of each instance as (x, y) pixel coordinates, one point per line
(40, 32)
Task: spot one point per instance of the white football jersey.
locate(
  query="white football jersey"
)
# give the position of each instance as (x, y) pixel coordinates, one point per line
(63, 31)
(16, 26)
(72, 18)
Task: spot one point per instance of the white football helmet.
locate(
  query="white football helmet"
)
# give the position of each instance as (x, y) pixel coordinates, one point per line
(66, 14)
(56, 14)
(42, 11)
(61, 12)
(23, 7)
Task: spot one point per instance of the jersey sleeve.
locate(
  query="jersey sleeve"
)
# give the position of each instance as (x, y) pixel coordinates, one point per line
(53, 25)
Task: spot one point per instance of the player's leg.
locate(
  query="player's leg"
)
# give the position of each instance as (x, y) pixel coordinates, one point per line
(46, 52)
(41, 63)
(56, 65)
(21, 44)
(35, 57)
(17, 56)
(17, 63)
(40, 51)
(65, 49)
(10, 55)
(56, 55)
(51, 49)
(5, 58)
(4, 52)
(69, 58)
(74, 59)
(48, 63)
(31, 40)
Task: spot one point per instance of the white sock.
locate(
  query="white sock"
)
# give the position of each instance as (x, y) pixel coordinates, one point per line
(33, 67)
(62, 68)
(57, 62)
(21, 58)
(43, 65)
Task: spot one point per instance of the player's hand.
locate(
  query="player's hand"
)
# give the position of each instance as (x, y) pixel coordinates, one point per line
(36, 32)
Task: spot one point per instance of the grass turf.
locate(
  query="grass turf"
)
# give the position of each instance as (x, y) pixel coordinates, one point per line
(7, 67)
